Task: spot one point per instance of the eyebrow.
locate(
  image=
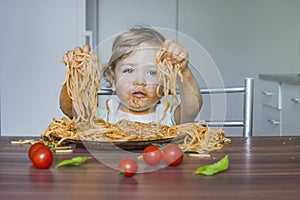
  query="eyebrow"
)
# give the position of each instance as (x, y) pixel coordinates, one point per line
(127, 63)
(132, 64)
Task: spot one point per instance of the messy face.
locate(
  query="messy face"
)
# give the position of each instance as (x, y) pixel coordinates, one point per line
(136, 80)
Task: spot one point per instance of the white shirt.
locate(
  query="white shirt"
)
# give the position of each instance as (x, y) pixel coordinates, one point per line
(117, 114)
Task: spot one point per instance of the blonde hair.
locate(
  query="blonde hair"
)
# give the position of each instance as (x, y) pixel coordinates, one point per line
(124, 45)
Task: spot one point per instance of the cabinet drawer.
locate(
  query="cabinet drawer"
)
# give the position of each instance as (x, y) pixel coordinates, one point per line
(291, 109)
(271, 94)
(271, 121)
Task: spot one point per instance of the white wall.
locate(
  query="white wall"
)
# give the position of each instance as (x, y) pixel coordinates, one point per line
(298, 3)
(34, 36)
(116, 16)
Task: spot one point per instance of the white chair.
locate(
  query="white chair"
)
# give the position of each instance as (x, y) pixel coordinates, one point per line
(246, 122)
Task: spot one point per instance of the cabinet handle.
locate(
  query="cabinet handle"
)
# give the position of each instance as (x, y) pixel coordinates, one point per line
(274, 122)
(295, 100)
(267, 93)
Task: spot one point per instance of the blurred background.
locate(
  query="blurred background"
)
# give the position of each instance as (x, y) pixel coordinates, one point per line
(243, 38)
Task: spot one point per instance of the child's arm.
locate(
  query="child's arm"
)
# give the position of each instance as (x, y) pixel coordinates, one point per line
(190, 95)
(191, 98)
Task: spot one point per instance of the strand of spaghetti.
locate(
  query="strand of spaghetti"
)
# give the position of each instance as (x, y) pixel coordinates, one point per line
(167, 73)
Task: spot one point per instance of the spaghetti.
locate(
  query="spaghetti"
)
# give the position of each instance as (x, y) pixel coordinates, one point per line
(168, 72)
(82, 80)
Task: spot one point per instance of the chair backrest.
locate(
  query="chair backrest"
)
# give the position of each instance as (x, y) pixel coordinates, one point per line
(247, 122)
(247, 89)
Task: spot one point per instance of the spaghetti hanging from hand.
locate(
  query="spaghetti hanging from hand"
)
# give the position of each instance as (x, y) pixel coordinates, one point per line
(168, 72)
(82, 82)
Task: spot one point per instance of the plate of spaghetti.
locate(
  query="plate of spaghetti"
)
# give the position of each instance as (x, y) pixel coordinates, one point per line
(127, 145)
(124, 134)
(130, 135)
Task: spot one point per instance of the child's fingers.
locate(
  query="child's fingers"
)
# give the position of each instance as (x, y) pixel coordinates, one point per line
(169, 47)
(182, 57)
(175, 52)
(167, 43)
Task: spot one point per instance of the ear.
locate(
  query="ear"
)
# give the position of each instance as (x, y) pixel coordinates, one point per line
(113, 86)
(111, 78)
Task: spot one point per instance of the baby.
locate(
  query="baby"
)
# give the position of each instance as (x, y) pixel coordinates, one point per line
(132, 75)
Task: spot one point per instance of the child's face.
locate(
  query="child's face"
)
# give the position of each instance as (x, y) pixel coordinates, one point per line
(136, 79)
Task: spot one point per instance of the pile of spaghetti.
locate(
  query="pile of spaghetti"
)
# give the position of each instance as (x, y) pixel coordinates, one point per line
(82, 80)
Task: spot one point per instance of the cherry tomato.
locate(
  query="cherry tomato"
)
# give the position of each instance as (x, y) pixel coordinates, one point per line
(172, 155)
(127, 167)
(42, 158)
(152, 155)
(34, 147)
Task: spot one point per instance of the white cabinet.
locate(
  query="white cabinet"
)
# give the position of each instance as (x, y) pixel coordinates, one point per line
(281, 108)
(271, 108)
(291, 109)
(271, 94)
(271, 121)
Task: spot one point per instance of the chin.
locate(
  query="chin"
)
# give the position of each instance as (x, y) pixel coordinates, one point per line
(138, 109)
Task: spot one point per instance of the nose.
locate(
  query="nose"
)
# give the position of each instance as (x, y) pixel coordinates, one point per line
(140, 79)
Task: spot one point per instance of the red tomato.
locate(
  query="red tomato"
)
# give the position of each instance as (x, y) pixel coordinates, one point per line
(34, 147)
(152, 155)
(172, 155)
(42, 158)
(127, 167)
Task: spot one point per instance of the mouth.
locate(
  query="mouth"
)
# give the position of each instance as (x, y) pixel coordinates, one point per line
(139, 94)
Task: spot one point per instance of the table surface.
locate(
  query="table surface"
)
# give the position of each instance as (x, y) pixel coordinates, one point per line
(260, 168)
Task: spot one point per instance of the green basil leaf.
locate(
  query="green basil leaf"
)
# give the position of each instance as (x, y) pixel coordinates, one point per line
(214, 168)
(76, 161)
(201, 151)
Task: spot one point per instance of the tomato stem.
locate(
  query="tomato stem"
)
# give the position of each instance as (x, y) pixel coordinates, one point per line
(121, 171)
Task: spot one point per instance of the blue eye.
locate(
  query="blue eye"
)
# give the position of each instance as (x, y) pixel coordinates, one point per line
(153, 73)
(127, 70)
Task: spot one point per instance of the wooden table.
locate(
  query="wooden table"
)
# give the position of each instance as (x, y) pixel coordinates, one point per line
(260, 168)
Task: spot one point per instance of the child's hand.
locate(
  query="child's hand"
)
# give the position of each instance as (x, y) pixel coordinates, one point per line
(175, 52)
(76, 55)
